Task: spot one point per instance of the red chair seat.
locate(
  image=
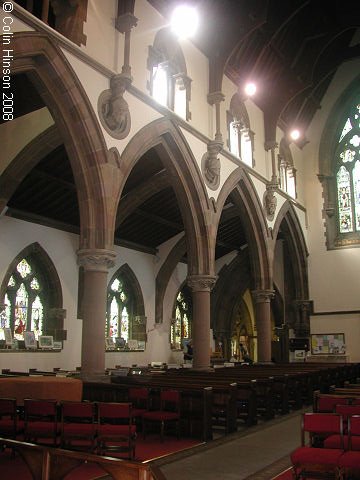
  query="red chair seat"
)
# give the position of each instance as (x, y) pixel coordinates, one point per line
(316, 456)
(350, 459)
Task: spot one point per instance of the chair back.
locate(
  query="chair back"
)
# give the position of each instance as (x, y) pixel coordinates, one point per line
(139, 397)
(170, 400)
(40, 408)
(320, 424)
(354, 432)
(114, 412)
(77, 411)
(327, 403)
(7, 407)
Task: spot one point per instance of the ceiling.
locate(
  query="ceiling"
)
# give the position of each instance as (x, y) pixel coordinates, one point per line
(292, 47)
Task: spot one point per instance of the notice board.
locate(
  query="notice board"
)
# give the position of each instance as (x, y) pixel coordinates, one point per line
(328, 344)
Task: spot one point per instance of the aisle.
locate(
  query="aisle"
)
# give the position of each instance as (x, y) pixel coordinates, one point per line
(242, 454)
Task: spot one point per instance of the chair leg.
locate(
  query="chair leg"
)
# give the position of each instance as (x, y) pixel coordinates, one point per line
(162, 428)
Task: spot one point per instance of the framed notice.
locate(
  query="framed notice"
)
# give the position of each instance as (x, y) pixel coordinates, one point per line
(328, 344)
(46, 342)
(29, 339)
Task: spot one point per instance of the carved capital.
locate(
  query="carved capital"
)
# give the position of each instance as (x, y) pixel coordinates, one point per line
(113, 110)
(270, 145)
(215, 98)
(262, 296)
(96, 259)
(201, 283)
(124, 23)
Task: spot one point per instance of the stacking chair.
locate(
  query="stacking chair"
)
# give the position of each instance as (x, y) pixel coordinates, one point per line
(116, 431)
(78, 425)
(349, 463)
(139, 397)
(168, 414)
(346, 411)
(313, 462)
(40, 421)
(10, 425)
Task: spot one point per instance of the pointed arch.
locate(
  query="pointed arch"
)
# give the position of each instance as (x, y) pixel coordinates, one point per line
(185, 179)
(44, 63)
(291, 229)
(43, 269)
(244, 195)
(129, 277)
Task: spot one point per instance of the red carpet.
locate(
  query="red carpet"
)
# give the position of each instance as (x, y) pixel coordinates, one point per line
(146, 450)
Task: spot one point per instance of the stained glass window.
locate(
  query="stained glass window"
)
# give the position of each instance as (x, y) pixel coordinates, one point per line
(181, 324)
(119, 311)
(23, 301)
(348, 174)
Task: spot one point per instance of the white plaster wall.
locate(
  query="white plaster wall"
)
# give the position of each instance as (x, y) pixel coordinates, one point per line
(347, 324)
(61, 247)
(333, 275)
(24, 129)
(103, 42)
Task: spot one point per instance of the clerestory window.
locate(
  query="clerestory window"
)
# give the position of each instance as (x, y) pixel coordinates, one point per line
(240, 136)
(169, 85)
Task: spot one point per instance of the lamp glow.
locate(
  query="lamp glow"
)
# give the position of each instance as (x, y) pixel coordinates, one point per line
(250, 89)
(295, 134)
(184, 21)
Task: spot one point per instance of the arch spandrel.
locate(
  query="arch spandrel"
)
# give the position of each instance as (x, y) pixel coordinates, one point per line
(92, 165)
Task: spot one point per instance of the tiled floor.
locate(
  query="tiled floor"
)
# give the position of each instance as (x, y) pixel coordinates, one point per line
(240, 455)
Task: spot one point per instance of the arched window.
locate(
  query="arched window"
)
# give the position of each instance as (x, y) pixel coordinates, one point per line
(347, 171)
(169, 85)
(287, 172)
(241, 137)
(182, 318)
(125, 307)
(31, 296)
(340, 171)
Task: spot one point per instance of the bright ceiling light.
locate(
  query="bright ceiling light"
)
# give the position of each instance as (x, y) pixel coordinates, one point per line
(250, 89)
(184, 21)
(295, 134)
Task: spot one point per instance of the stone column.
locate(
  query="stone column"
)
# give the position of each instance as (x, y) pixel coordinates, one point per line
(263, 323)
(201, 286)
(96, 263)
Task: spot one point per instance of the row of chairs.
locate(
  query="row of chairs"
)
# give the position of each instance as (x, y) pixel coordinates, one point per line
(325, 450)
(94, 426)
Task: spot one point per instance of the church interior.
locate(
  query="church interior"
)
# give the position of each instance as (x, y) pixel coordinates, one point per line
(167, 181)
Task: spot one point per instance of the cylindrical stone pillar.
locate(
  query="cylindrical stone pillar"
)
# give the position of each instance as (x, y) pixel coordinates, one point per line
(263, 323)
(96, 263)
(201, 286)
